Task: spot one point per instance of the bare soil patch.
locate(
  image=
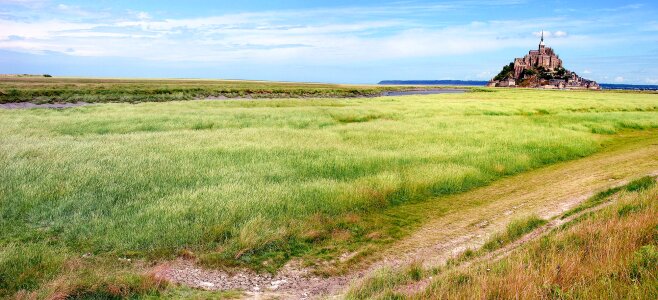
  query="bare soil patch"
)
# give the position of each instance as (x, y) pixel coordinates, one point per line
(291, 282)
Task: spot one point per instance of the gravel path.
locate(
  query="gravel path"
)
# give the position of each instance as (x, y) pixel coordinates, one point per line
(291, 282)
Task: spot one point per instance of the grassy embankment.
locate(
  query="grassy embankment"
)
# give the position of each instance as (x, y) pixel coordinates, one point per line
(49, 90)
(257, 182)
(609, 254)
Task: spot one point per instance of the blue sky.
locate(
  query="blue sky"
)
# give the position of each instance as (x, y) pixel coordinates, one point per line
(325, 41)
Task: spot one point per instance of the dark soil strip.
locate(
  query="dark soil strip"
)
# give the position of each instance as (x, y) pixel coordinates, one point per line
(26, 105)
(423, 92)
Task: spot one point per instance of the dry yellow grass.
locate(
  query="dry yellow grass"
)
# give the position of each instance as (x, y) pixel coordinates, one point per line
(609, 255)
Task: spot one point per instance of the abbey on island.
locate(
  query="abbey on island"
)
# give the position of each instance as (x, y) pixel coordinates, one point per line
(540, 68)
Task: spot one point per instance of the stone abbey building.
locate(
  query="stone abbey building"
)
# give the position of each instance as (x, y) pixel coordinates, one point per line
(544, 57)
(540, 68)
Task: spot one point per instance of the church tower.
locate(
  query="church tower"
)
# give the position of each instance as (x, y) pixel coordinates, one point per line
(542, 46)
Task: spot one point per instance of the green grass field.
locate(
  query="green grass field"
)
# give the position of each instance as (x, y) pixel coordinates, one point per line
(255, 183)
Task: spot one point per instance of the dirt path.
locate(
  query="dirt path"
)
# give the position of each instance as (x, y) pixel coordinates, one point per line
(507, 250)
(537, 233)
(547, 192)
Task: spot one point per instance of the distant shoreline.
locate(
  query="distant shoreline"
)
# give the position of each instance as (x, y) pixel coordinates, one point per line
(605, 86)
(434, 82)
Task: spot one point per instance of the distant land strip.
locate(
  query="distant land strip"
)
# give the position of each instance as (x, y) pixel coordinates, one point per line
(434, 82)
(641, 87)
(607, 86)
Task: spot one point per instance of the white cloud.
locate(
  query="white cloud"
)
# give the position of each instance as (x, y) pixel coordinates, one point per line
(143, 15)
(622, 8)
(27, 3)
(76, 11)
(619, 79)
(46, 29)
(651, 81)
(551, 34)
(587, 72)
(560, 33)
(278, 36)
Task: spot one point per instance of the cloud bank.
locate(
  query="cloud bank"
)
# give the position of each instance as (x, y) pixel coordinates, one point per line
(279, 36)
(456, 40)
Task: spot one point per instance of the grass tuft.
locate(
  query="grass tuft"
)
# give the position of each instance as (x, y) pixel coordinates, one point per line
(203, 125)
(26, 267)
(644, 263)
(635, 185)
(641, 184)
(628, 209)
(514, 230)
(383, 280)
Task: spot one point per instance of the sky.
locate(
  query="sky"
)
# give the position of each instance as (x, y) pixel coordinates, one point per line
(325, 41)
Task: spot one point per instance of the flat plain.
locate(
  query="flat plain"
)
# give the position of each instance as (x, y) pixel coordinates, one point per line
(94, 90)
(255, 183)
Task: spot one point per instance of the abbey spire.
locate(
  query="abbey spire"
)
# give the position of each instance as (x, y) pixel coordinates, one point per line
(541, 44)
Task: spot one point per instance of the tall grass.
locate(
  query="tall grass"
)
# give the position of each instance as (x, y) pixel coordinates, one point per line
(383, 280)
(258, 182)
(635, 185)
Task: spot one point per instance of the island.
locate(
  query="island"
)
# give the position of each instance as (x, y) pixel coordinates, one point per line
(540, 68)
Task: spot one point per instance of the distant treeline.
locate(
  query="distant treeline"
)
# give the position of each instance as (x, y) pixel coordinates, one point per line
(434, 82)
